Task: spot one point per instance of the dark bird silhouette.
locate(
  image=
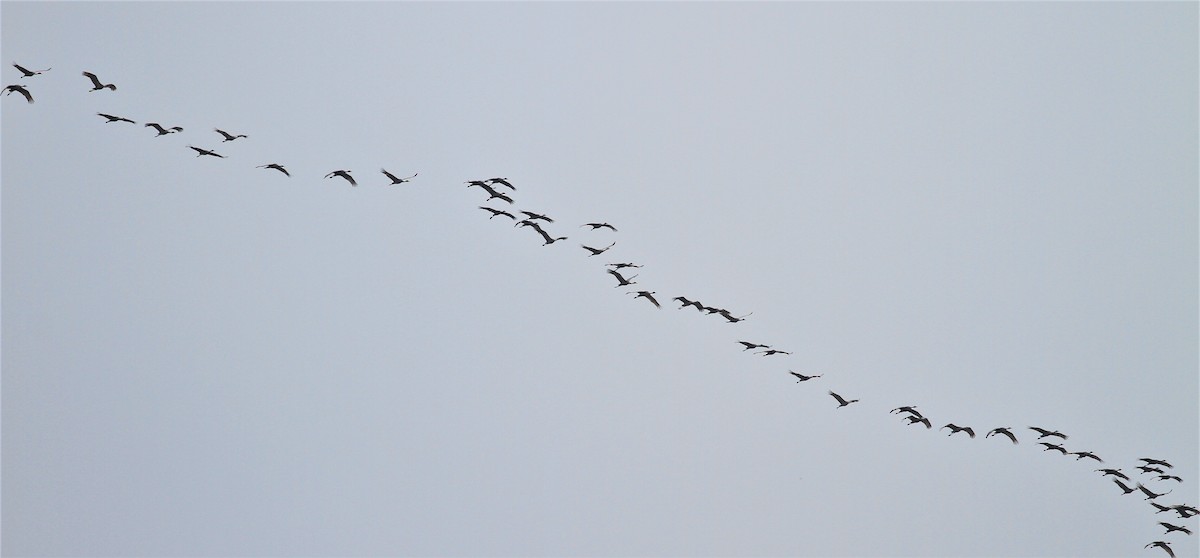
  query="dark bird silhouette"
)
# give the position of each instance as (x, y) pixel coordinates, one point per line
(748, 345)
(498, 212)
(922, 420)
(9, 89)
(623, 265)
(1185, 511)
(802, 377)
(648, 295)
(1163, 545)
(1171, 527)
(535, 216)
(163, 131)
(200, 152)
(621, 281)
(1124, 489)
(492, 193)
(228, 136)
(595, 226)
(28, 73)
(96, 85)
(597, 251)
(911, 409)
(1169, 477)
(729, 317)
(955, 429)
(502, 182)
(1113, 472)
(1156, 462)
(275, 166)
(684, 303)
(842, 402)
(770, 352)
(1148, 469)
(1150, 495)
(545, 235)
(1054, 447)
(397, 180)
(112, 118)
(1161, 508)
(480, 183)
(344, 174)
(1046, 433)
(1004, 430)
(1082, 454)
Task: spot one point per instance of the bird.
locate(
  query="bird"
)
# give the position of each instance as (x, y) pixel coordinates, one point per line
(842, 402)
(1171, 527)
(397, 180)
(96, 85)
(1055, 447)
(163, 131)
(595, 226)
(1169, 477)
(911, 409)
(535, 216)
(1148, 469)
(1046, 433)
(9, 89)
(112, 118)
(623, 265)
(1003, 430)
(1082, 454)
(344, 174)
(621, 281)
(802, 377)
(1113, 472)
(648, 295)
(730, 317)
(480, 183)
(1124, 489)
(28, 73)
(492, 193)
(531, 223)
(597, 251)
(770, 352)
(1163, 545)
(228, 136)
(498, 212)
(502, 182)
(684, 303)
(1156, 462)
(955, 429)
(1161, 508)
(922, 420)
(275, 166)
(1150, 495)
(746, 344)
(1185, 511)
(200, 152)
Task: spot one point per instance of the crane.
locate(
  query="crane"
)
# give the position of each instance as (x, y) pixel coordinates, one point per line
(397, 180)
(802, 377)
(10, 89)
(112, 118)
(1005, 430)
(28, 73)
(597, 251)
(344, 174)
(228, 136)
(621, 281)
(842, 402)
(498, 212)
(200, 152)
(595, 226)
(648, 295)
(955, 429)
(96, 85)
(275, 166)
(163, 131)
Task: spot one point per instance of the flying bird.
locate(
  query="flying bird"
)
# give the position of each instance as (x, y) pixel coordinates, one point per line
(622, 265)
(1156, 462)
(597, 251)
(1148, 469)
(911, 409)
(344, 174)
(955, 429)
(770, 352)
(228, 136)
(1163, 545)
(200, 152)
(922, 420)
(730, 317)
(1054, 447)
(1185, 511)
(96, 85)
(163, 131)
(1169, 477)
(621, 281)
(28, 73)
(275, 166)
(1113, 472)
(498, 212)
(397, 180)
(535, 216)
(648, 295)
(1005, 430)
(9, 89)
(1171, 527)
(1124, 489)
(746, 344)
(1046, 433)
(112, 118)
(595, 226)
(802, 377)
(1082, 454)
(1150, 495)
(842, 402)
(502, 182)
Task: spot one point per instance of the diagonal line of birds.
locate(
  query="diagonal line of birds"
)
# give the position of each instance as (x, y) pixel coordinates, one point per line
(1152, 470)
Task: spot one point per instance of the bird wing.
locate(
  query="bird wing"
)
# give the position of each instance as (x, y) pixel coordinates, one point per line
(390, 176)
(91, 76)
(838, 397)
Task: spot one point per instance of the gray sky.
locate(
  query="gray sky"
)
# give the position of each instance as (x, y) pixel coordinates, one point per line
(985, 210)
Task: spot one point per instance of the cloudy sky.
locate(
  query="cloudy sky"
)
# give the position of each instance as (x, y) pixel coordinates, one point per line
(985, 210)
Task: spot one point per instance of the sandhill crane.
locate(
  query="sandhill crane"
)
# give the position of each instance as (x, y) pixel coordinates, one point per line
(228, 136)
(730, 318)
(1124, 489)
(1171, 527)
(1185, 511)
(200, 152)
(1046, 433)
(802, 378)
(842, 402)
(96, 85)
(1156, 462)
(1163, 545)
(955, 429)
(502, 182)
(163, 131)
(922, 420)
(1150, 495)
(1082, 454)
(771, 352)
(648, 295)
(492, 195)
(1148, 469)
(684, 303)
(748, 345)
(1054, 447)
(535, 216)
(397, 180)
(112, 118)
(497, 212)
(1169, 477)
(479, 183)
(622, 265)
(344, 174)
(9, 89)
(275, 166)
(621, 281)
(597, 251)
(1113, 472)
(911, 409)
(595, 226)
(545, 235)
(1005, 430)
(28, 73)
(712, 309)
(1161, 508)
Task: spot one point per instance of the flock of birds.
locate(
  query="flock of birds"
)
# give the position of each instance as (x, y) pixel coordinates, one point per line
(499, 188)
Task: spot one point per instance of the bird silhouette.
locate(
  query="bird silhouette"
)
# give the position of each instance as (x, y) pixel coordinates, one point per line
(228, 136)
(1124, 489)
(1047, 433)
(802, 378)
(1054, 447)
(842, 402)
(492, 193)
(1172, 527)
(1005, 430)
(622, 265)
(597, 251)
(275, 166)
(1082, 454)
(536, 216)
(621, 280)
(1169, 477)
(729, 317)
(497, 212)
(1185, 511)
(748, 345)
(1163, 545)
(96, 85)
(28, 73)
(922, 420)
(595, 226)
(112, 118)
(911, 409)
(344, 174)
(163, 131)
(770, 352)
(648, 295)
(200, 152)
(9, 89)
(955, 429)
(1113, 472)
(1150, 494)
(1156, 462)
(502, 182)
(395, 179)
(1148, 469)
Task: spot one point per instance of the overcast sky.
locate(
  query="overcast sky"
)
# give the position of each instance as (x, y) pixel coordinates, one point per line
(985, 210)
